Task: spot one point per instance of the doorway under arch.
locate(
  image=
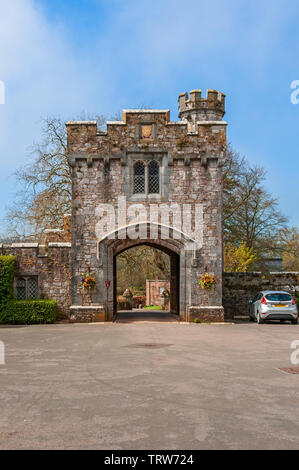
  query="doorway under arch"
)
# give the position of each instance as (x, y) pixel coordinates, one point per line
(178, 245)
(174, 277)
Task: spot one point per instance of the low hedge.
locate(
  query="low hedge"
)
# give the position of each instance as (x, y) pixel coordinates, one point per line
(7, 270)
(25, 312)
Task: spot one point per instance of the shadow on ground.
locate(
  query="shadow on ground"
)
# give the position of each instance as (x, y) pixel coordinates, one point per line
(143, 315)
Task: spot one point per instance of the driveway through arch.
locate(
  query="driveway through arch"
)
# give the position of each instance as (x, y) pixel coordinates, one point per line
(177, 246)
(174, 280)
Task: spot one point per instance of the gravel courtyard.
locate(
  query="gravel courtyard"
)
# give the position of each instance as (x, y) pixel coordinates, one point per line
(149, 386)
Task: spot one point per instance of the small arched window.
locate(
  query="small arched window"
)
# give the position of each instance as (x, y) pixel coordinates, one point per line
(21, 289)
(153, 178)
(139, 178)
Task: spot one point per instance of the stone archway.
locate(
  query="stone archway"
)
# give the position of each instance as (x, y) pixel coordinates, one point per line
(174, 273)
(177, 245)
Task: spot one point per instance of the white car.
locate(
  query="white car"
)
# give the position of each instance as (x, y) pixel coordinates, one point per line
(273, 305)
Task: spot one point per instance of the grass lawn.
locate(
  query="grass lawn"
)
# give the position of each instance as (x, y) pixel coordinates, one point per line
(153, 307)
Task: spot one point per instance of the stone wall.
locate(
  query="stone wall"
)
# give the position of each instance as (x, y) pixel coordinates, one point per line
(81, 314)
(239, 288)
(51, 264)
(205, 314)
(190, 159)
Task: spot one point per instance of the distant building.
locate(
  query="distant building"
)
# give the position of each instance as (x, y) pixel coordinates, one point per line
(273, 264)
(154, 291)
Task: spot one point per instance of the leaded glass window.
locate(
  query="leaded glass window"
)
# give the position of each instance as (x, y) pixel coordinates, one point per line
(32, 288)
(21, 289)
(26, 288)
(153, 178)
(139, 178)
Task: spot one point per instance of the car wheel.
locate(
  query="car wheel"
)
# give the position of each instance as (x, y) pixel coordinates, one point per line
(259, 319)
(295, 322)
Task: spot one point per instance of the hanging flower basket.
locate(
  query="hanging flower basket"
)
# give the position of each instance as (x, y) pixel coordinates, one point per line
(87, 282)
(207, 281)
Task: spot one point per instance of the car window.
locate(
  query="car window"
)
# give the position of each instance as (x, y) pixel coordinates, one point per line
(278, 297)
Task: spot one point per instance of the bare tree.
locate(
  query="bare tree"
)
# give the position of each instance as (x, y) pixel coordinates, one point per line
(46, 184)
(137, 264)
(289, 246)
(251, 214)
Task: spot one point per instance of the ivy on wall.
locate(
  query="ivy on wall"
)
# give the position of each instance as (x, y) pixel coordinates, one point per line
(21, 311)
(7, 270)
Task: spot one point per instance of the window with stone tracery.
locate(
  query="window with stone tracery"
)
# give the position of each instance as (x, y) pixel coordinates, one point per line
(146, 177)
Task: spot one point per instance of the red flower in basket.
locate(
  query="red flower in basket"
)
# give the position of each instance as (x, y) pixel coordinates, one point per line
(87, 282)
(207, 281)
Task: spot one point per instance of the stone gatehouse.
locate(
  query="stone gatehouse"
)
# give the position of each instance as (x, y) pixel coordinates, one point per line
(145, 180)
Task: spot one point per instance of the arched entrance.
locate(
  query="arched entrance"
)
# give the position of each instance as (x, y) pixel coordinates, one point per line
(176, 245)
(174, 278)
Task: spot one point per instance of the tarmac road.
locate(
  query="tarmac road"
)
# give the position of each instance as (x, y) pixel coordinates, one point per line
(149, 385)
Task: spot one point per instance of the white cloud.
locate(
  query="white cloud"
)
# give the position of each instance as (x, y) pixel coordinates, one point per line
(42, 73)
(42, 76)
(145, 53)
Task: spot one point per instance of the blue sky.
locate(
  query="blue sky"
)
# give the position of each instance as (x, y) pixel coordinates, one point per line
(71, 57)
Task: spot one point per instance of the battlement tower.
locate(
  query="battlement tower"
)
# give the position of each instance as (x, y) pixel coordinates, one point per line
(194, 109)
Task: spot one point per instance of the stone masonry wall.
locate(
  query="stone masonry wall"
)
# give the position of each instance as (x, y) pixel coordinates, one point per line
(239, 288)
(51, 264)
(190, 163)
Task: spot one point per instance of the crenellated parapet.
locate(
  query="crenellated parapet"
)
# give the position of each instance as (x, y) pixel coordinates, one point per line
(200, 130)
(195, 108)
